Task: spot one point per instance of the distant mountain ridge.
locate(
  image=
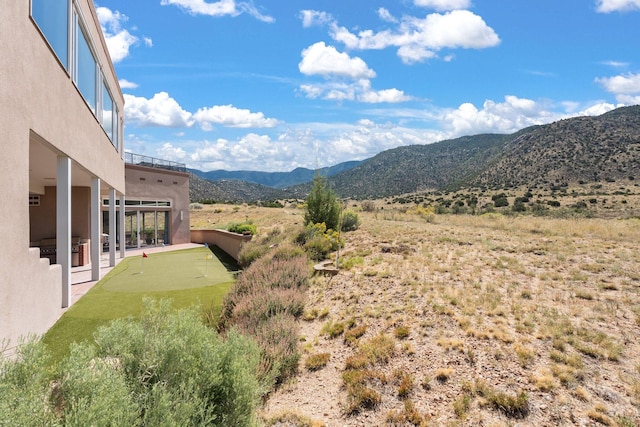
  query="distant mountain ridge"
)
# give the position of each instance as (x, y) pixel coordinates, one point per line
(580, 149)
(274, 179)
(587, 149)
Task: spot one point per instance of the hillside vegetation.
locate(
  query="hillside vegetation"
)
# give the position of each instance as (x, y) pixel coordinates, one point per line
(572, 151)
(582, 149)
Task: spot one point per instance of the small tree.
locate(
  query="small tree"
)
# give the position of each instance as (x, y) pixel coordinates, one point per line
(322, 204)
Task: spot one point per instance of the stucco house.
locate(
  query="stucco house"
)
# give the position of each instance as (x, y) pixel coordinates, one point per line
(61, 133)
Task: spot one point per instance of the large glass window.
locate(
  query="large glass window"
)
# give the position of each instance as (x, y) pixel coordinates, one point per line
(86, 71)
(108, 117)
(52, 18)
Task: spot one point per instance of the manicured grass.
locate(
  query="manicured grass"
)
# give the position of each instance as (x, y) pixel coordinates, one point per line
(187, 277)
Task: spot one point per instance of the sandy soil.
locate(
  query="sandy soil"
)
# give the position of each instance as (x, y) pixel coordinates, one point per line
(543, 306)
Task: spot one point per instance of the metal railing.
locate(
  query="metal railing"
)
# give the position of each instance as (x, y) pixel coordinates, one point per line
(140, 160)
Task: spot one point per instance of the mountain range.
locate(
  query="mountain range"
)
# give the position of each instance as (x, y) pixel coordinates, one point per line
(580, 149)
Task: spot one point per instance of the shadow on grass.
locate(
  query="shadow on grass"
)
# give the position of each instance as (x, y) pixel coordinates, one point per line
(227, 260)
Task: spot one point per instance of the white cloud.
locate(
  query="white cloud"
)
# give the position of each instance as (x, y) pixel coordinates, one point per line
(385, 15)
(230, 116)
(218, 8)
(161, 110)
(615, 64)
(126, 84)
(385, 95)
(148, 42)
(247, 152)
(354, 91)
(419, 39)
(311, 18)
(608, 6)
(320, 59)
(164, 111)
(443, 5)
(324, 144)
(169, 152)
(509, 116)
(623, 84)
(118, 40)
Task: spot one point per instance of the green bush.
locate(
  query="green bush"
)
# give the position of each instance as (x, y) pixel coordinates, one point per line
(179, 371)
(24, 387)
(166, 369)
(350, 221)
(242, 228)
(500, 201)
(93, 391)
(317, 241)
(317, 248)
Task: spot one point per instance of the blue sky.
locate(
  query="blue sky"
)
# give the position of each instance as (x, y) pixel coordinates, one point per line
(275, 85)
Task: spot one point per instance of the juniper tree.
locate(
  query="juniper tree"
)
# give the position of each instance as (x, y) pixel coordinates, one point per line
(322, 204)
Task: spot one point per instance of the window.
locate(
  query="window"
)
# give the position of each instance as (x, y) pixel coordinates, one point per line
(52, 18)
(71, 43)
(108, 117)
(86, 69)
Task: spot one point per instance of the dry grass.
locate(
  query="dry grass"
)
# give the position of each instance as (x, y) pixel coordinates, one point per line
(544, 310)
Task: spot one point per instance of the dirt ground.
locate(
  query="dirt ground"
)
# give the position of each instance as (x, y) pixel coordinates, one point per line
(480, 310)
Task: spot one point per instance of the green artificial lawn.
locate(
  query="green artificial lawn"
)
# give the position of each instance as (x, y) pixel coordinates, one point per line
(188, 277)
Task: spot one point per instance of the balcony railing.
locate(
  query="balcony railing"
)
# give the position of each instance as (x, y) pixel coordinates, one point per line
(152, 162)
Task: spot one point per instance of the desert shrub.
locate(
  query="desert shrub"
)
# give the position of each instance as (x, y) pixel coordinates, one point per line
(292, 419)
(361, 397)
(251, 251)
(24, 387)
(428, 213)
(272, 204)
(368, 206)
(278, 340)
(378, 349)
(93, 391)
(317, 361)
(287, 251)
(261, 305)
(317, 248)
(461, 405)
(272, 273)
(518, 206)
(405, 383)
(515, 406)
(350, 221)
(500, 201)
(167, 368)
(242, 228)
(401, 332)
(264, 304)
(333, 329)
(195, 206)
(353, 334)
(181, 372)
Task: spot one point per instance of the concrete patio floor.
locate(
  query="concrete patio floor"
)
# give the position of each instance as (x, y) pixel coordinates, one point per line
(81, 276)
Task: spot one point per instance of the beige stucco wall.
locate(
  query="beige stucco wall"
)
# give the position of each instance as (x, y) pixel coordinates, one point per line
(37, 94)
(147, 183)
(231, 243)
